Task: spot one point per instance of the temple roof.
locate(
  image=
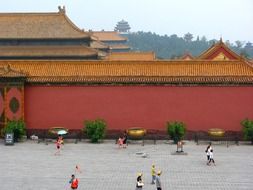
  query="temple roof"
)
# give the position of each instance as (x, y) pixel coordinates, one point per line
(219, 51)
(136, 72)
(106, 36)
(131, 56)
(39, 26)
(46, 51)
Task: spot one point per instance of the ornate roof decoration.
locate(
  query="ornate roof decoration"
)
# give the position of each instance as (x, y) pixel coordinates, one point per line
(7, 72)
(39, 26)
(219, 51)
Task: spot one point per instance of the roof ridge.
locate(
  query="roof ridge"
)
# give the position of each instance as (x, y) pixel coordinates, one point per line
(74, 26)
(28, 13)
(122, 62)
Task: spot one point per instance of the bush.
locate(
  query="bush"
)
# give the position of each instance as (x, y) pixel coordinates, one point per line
(176, 130)
(16, 127)
(95, 129)
(247, 129)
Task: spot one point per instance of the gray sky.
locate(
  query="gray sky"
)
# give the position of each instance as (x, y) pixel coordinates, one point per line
(231, 19)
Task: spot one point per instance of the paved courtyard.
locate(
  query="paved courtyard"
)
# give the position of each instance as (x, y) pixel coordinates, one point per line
(32, 166)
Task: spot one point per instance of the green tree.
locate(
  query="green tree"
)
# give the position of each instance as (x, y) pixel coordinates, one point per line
(239, 44)
(176, 130)
(95, 129)
(166, 46)
(247, 129)
(17, 127)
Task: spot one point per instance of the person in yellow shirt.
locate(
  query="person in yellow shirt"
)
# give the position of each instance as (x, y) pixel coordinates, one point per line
(153, 174)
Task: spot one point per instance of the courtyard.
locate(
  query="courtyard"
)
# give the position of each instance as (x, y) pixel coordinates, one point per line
(104, 166)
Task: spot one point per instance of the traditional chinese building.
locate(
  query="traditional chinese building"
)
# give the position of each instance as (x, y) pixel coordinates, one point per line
(113, 39)
(43, 36)
(207, 93)
(46, 80)
(122, 27)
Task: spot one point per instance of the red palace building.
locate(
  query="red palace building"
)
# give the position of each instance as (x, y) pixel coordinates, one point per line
(214, 90)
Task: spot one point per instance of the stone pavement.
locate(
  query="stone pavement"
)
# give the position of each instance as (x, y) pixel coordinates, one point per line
(32, 166)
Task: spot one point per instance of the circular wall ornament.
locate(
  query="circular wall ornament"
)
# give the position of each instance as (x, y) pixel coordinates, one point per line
(14, 105)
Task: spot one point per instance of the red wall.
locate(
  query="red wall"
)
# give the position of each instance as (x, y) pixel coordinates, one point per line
(150, 107)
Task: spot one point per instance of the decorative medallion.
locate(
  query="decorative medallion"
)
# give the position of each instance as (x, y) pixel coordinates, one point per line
(14, 105)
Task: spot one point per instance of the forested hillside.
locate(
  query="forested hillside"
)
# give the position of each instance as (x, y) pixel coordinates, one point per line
(170, 47)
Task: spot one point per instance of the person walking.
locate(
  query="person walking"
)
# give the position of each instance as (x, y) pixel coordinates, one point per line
(58, 147)
(125, 140)
(139, 183)
(208, 150)
(73, 182)
(158, 181)
(211, 158)
(120, 142)
(153, 174)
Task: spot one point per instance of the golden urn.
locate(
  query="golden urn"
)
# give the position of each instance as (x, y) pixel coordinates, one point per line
(136, 133)
(216, 132)
(55, 130)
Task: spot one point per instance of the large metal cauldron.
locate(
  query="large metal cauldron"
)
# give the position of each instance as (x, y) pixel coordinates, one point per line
(136, 133)
(216, 132)
(55, 130)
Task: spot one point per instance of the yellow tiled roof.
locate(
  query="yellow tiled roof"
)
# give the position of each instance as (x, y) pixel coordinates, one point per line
(167, 72)
(47, 51)
(105, 36)
(131, 56)
(38, 26)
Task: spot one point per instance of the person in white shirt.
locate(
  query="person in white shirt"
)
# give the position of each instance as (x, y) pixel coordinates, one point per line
(211, 158)
(208, 150)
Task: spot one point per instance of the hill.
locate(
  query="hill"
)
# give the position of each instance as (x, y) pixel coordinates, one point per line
(170, 47)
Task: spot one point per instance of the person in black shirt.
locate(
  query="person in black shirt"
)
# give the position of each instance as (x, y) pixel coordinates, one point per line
(139, 183)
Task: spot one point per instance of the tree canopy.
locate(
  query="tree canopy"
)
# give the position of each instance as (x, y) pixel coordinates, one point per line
(170, 47)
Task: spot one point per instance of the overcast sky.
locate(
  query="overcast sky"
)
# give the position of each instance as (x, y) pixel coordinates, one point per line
(231, 19)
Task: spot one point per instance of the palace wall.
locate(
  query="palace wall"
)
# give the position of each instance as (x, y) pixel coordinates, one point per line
(149, 107)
